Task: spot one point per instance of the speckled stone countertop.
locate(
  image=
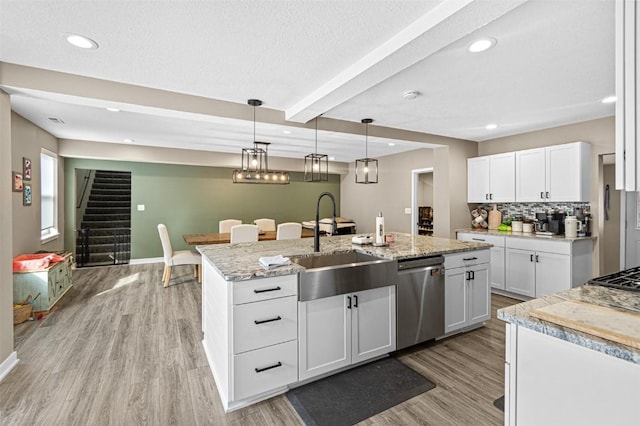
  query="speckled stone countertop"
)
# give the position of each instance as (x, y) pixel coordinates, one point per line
(238, 262)
(596, 295)
(522, 234)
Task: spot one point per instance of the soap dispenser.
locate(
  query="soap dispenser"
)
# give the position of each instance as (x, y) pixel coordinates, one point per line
(379, 230)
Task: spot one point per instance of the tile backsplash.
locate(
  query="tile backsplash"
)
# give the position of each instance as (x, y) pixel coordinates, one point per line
(529, 210)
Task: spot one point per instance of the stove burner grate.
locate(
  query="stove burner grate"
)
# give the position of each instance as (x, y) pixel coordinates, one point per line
(628, 279)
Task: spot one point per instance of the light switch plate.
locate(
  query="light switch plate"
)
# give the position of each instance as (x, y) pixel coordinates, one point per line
(407, 210)
(140, 207)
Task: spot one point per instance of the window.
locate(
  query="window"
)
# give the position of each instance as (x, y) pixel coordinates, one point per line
(48, 196)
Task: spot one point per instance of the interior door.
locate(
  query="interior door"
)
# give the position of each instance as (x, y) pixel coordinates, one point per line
(632, 233)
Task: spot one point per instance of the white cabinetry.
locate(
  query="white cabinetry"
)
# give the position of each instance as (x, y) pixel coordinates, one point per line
(250, 335)
(467, 293)
(538, 268)
(491, 178)
(571, 382)
(497, 278)
(554, 173)
(346, 329)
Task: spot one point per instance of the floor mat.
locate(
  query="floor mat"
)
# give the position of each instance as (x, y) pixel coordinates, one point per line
(499, 403)
(357, 394)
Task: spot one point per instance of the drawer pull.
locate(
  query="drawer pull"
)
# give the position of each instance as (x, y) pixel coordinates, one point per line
(466, 259)
(278, 318)
(477, 239)
(265, 290)
(260, 370)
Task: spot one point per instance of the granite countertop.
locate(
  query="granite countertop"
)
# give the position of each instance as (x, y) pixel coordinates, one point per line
(522, 234)
(238, 262)
(612, 298)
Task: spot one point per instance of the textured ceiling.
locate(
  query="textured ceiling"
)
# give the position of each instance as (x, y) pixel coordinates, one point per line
(552, 64)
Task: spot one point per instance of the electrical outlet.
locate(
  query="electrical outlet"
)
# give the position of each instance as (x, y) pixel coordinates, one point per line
(140, 207)
(407, 210)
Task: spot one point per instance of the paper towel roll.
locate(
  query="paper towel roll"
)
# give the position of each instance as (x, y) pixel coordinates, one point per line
(380, 229)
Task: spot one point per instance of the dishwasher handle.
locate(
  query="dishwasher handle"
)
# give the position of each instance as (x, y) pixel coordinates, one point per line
(438, 268)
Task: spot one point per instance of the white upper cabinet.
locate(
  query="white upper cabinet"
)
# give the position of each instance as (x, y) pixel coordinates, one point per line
(554, 173)
(491, 178)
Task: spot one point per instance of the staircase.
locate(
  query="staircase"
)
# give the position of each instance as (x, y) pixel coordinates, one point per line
(105, 234)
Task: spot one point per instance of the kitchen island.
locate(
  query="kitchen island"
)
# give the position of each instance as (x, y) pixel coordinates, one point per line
(256, 329)
(578, 372)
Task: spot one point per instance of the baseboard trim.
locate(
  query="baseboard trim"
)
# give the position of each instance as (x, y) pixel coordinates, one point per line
(8, 364)
(147, 260)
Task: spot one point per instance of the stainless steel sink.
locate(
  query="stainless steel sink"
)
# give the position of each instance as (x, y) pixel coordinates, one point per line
(328, 275)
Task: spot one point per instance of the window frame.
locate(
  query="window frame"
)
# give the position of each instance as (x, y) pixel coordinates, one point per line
(53, 232)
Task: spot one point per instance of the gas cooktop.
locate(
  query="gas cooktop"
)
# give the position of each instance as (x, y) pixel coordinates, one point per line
(629, 279)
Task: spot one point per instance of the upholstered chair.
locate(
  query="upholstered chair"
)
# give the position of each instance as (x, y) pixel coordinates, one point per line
(224, 226)
(244, 234)
(180, 257)
(289, 231)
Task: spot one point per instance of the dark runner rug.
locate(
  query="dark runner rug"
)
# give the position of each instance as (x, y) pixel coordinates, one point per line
(499, 403)
(357, 394)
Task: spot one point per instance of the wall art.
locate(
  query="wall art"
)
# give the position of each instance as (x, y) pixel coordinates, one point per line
(26, 168)
(16, 181)
(26, 199)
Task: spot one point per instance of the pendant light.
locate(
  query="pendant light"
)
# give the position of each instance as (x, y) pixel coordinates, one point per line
(316, 166)
(254, 165)
(366, 168)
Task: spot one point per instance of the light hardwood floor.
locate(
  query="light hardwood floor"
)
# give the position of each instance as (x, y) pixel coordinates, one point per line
(120, 349)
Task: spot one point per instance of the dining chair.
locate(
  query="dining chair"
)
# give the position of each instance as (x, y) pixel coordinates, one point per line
(289, 231)
(224, 226)
(174, 258)
(265, 224)
(244, 234)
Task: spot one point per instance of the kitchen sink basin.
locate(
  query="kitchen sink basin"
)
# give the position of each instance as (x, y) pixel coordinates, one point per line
(327, 275)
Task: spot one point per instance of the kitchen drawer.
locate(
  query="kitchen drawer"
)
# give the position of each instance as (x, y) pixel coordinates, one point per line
(277, 322)
(496, 240)
(540, 244)
(264, 289)
(466, 258)
(249, 382)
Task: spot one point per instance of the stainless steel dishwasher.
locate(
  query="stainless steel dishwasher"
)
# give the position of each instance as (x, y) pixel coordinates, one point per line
(419, 300)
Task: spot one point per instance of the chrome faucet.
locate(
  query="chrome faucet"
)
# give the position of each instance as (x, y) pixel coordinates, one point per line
(316, 228)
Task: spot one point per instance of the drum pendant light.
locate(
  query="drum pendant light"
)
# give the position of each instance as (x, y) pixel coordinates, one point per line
(366, 168)
(316, 166)
(254, 166)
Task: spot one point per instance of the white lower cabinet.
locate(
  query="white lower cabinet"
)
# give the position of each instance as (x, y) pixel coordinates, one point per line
(467, 292)
(342, 330)
(537, 268)
(498, 272)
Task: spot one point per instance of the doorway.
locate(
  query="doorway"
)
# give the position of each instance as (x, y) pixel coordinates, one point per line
(422, 217)
(610, 233)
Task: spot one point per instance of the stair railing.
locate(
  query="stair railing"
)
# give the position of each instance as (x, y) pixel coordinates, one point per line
(85, 185)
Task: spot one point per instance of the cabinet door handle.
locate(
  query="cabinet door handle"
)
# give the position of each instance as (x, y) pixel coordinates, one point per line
(467, 276)
(349, 305)
(466, 259)
(355, 300)
(266, 290)
(486, 196)
(491, 196)
(547, 195)
(278, 318)
(537, 260)
(531, 258)
(477, 239)
(542, 194)
(276, 365)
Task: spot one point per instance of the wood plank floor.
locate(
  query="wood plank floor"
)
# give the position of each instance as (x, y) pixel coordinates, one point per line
(120, 349)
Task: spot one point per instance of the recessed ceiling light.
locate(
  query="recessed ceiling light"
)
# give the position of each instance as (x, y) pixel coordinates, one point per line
(392, 144)
(81, 41)
(129, 140)
(481, 45)
(609, 100)
(491, 126)
(112, 109)
(286, 132)
(411, 95)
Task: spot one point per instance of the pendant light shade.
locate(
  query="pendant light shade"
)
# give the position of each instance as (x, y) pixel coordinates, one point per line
(254, 165)
(366, 168)
(316, 166)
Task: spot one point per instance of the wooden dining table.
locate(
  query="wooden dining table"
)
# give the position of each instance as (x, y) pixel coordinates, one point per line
(225, 237)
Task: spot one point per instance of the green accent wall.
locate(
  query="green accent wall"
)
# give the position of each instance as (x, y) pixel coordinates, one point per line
(192, 199)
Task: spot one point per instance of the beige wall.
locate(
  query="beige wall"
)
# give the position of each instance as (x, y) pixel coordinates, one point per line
(599, 133)
(611, 228)
(28, 140)
(393, 192)
(6, 251)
